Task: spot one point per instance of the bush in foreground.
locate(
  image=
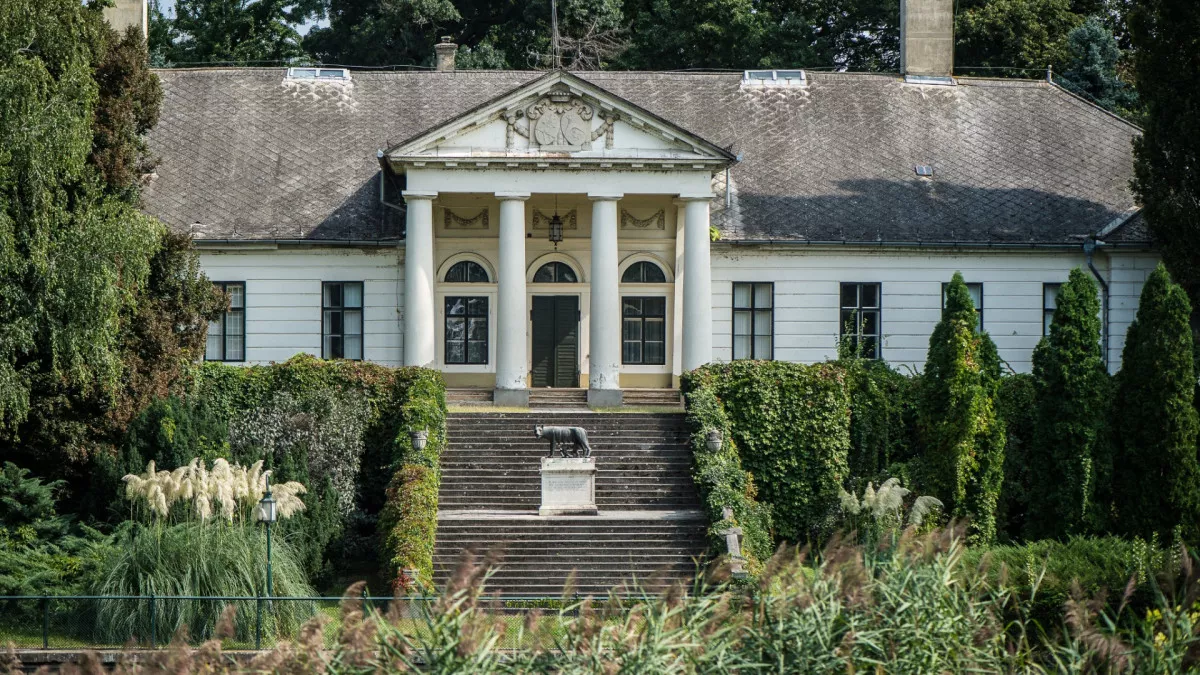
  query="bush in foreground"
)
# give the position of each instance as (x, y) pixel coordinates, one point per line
(919, 608)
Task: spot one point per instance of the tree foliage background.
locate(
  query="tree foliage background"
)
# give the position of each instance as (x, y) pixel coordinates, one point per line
(99, 306)
(1086, 42)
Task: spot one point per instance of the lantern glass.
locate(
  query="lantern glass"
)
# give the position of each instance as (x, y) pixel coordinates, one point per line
(556, 229)
(267, 509)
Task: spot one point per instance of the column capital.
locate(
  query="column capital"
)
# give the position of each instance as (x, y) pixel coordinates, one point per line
(512, 196)
(694, 197)
(605, 196)
(418, 194)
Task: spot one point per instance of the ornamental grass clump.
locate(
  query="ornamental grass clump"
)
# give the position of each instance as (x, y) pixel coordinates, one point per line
(226, 490)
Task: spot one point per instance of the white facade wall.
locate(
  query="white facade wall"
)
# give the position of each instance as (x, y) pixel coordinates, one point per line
(807, 301)
(283, 297)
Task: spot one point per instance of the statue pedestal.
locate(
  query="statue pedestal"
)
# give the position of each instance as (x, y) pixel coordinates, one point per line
(568, 487)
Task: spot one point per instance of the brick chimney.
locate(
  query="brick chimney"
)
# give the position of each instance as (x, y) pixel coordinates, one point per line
(126, 13)
(444, 51)
(927, 37)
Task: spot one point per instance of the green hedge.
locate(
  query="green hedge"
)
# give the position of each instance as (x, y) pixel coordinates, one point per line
(392, 401)
(788, 424)
(1100, 565)
(408, 521)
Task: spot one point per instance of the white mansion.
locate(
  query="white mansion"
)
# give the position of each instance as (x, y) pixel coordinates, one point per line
(611, 230)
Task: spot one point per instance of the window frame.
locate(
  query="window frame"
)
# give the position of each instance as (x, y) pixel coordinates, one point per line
(1048, 312)
(325, 333)
(466, 340)
(224, 286)
(857, 335)
(978, 307)
(641, 318)
(752, 310)
(641, 265)
(487, 279)
(554, 264)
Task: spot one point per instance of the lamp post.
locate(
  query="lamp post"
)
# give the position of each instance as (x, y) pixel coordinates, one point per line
(267, 514)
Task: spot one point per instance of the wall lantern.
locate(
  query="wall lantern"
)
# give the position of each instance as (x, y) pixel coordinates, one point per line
(713, 440)
(419, 439)
(556, 229)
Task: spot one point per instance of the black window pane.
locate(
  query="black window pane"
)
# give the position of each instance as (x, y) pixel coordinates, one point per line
(870, 323)
(333, 295)
(456, 329)
(456, 352)
(565, 273)
(476, 351)
(335, 323)
(632, 306)
(477, 329)
(477, 306)
(654, 330)
(849, 295)
(335, 346)
(870, 295)
(656, 306)
(655, 353)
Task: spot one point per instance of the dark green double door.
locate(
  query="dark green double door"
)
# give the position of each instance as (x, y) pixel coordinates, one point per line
(555, 332)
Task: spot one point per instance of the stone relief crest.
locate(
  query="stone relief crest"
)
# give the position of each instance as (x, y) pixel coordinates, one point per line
(561, 120)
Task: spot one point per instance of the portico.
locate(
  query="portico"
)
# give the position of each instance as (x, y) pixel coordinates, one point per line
(557, 236)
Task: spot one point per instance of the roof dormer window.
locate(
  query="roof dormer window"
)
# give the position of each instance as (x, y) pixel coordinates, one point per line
(774, 78)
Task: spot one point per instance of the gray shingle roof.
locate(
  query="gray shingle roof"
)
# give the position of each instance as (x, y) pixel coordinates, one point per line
(242, 156)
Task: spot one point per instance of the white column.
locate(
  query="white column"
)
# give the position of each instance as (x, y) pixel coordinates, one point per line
(697, 283)
(512, 311)
(604, 326)
(418, 280)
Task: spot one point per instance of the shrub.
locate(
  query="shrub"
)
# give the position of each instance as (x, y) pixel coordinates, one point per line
(408, 524)
(723, 482)
(962, 434)
(1156, 478)
(1015, 404)
(1042, 573)
(1071, 390)
(880, 514)
(882, 419)
(790, 426)
(194, 559)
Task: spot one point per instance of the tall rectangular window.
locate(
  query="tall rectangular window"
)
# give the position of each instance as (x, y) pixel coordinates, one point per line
(753, 321)
(1049, 304)
(342, 320)
(861, 318)
(976, 292)
(227, 333)
(466, 330)
(644, 331)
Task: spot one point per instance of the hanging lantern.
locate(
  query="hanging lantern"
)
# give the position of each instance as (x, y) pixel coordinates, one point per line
(556, 229)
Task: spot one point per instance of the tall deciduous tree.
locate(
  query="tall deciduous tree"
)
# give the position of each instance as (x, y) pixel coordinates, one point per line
(1092, 68)
(1166, 34)
(1024, 35)
(382, 32)
(1156, 476)
(1071, 390)
(99, 306)
(960, 429)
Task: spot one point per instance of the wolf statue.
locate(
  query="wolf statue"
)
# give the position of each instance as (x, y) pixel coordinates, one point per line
(574, 435)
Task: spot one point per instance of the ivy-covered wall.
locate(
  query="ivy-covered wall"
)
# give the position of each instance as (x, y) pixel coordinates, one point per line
(786, 445)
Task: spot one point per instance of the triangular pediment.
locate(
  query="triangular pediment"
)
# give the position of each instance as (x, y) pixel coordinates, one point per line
(559, 118)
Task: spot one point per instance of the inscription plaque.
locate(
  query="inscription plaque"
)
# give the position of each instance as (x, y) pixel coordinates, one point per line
(568, 486)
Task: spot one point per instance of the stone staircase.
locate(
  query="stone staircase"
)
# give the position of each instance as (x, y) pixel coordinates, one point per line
(650, 526)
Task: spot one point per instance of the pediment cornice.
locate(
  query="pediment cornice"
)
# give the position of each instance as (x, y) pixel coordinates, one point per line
(558, 120)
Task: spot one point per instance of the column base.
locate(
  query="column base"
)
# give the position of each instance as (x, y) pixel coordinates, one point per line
(605, 398)
(511, 398)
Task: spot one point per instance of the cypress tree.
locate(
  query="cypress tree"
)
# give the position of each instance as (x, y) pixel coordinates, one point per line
(1166, 39)
(1156, 477)
(1071, 387)
(960, 429)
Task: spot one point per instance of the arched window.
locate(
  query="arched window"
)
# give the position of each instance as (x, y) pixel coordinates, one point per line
(643, 272)
(555, 273)
(466, 271)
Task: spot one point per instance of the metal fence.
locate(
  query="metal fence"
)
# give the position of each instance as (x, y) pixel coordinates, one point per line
(150, 622)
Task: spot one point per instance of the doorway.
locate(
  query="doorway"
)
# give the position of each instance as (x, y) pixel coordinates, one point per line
(555, 333)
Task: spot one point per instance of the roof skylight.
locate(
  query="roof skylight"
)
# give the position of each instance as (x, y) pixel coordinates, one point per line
(336, 74)
(774, 78)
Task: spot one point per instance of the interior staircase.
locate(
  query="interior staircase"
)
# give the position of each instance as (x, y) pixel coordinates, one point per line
(650, 527)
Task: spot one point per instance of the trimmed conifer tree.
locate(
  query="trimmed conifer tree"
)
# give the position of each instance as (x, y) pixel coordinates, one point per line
(1071, 388)
(960, 429)
(1156, 476)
